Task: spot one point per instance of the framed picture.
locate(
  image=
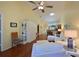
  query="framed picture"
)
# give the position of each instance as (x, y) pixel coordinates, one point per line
(13, 24)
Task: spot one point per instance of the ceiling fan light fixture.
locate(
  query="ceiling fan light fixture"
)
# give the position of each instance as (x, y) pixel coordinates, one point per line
(40, 7)
(51, 14)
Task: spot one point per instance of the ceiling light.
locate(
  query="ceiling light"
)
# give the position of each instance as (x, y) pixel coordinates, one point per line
(51, 14)
(40, 7)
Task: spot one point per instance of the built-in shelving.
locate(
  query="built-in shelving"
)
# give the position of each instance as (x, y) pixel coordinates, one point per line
(24, 32)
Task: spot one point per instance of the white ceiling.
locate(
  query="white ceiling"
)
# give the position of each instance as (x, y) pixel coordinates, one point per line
(59, 8)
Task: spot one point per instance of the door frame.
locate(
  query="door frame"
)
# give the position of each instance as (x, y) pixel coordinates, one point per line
(37, 37)
(1, 31)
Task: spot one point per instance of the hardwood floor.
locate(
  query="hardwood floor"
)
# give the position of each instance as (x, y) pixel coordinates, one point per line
(18, 51)
(21, 50)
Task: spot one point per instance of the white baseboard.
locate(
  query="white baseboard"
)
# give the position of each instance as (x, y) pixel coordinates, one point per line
(5, 49)
(24, 42)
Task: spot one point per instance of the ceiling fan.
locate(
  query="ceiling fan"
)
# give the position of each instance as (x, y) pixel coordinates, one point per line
(40, 6)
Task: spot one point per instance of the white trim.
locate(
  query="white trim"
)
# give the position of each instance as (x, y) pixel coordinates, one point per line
(6, 49)
(1, 31)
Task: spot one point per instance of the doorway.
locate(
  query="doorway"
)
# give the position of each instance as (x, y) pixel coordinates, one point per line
(38, 28)
(37, 37)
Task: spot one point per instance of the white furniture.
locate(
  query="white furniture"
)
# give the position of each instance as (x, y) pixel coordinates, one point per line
(55, 38)
(51, 38)
(48, 50)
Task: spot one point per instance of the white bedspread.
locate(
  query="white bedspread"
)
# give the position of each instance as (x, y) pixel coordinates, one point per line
(48, 50)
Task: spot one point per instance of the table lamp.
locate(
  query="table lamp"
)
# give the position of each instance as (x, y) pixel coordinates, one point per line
(70, 35)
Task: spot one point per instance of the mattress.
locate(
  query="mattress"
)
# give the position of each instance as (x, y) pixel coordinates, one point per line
(48, 50)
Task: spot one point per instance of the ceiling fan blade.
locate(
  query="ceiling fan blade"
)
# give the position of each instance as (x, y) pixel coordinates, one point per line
(32, 2)
(35, 8)
(49, 6)
(43, 10)
(39, 2)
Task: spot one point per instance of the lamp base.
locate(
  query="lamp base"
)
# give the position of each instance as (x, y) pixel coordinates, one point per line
(70, 43)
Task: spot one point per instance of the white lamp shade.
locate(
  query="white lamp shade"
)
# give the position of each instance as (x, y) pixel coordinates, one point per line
(70, 33)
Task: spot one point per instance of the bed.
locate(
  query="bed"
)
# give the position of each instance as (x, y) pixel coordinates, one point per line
(46, 49)
(55, 38)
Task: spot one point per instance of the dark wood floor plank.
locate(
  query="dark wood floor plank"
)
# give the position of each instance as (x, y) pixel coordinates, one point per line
(20, 50)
